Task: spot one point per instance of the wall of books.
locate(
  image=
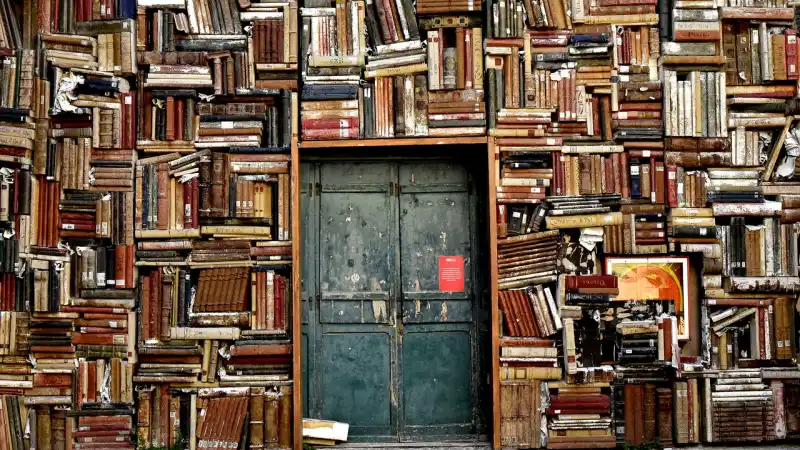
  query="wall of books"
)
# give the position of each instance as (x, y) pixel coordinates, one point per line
(146, 166)
(643, 158)
(643, 193)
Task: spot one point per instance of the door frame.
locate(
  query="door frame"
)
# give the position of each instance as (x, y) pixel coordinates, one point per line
(480, 339)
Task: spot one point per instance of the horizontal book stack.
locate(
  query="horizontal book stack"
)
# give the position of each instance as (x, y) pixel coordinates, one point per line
(528, 358)
(527, 169)
(640, 105)
(533, 266)
(334, 49)
(580, 416)
(741, 408)
(690, 35)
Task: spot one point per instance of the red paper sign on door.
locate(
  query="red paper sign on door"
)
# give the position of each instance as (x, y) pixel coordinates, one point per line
(451, 273)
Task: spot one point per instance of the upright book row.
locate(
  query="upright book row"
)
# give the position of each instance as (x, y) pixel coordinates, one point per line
(642, 160)
(146, 278)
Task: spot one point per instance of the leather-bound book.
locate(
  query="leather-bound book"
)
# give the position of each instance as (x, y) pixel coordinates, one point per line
(285, 412)
(665, 416)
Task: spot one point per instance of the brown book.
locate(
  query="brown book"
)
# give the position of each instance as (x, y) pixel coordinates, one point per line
(115, 379)
(271, 421)
(461, 58)
(146, 282)
(664, 412)
(166, 307)
(257, 418)
(630, 413)
(44, 437)
(171, 112)
(285, 410)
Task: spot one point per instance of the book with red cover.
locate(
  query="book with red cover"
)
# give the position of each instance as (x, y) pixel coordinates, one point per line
(576, 282)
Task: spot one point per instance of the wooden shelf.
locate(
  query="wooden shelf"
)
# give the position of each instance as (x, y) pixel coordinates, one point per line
(394, 142)
(494, 311)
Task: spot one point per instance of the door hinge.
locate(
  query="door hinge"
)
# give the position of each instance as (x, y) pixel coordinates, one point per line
(310, 189)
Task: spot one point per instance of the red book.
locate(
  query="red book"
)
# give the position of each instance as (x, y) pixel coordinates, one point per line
(130, 253)
(260, 350)
(164, 407)
(130, 102)
(91, 433)
(91, 381)
(146, 298)
(52, 380)
(155, 304)
(104, 422)
(762, 352)
(623, 175)
(660, 182)
(672, 186)
(571, 410)
(668, 339)
(575, 282)
(554, 186)
(280, 302)
(791, 54)
(608, 176)
(324, 124)
(180, 118)
(121, 260)
(99, 339)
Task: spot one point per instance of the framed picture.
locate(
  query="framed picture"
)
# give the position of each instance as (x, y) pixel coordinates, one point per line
(654, 278)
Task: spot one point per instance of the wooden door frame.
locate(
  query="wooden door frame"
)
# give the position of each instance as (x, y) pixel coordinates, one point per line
(481, 327)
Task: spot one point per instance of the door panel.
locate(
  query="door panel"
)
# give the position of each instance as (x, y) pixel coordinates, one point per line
(356, 353)
(357, 382)
(356, 260)
(308, 266)
(443, 403)
(437, 357)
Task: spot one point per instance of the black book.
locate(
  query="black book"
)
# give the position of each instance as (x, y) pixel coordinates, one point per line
(694, 231)
(636, 177)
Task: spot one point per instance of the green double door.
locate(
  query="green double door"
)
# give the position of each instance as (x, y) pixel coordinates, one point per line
(389, 310)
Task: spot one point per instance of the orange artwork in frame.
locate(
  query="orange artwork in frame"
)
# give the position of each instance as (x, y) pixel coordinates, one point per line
(654, 278)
